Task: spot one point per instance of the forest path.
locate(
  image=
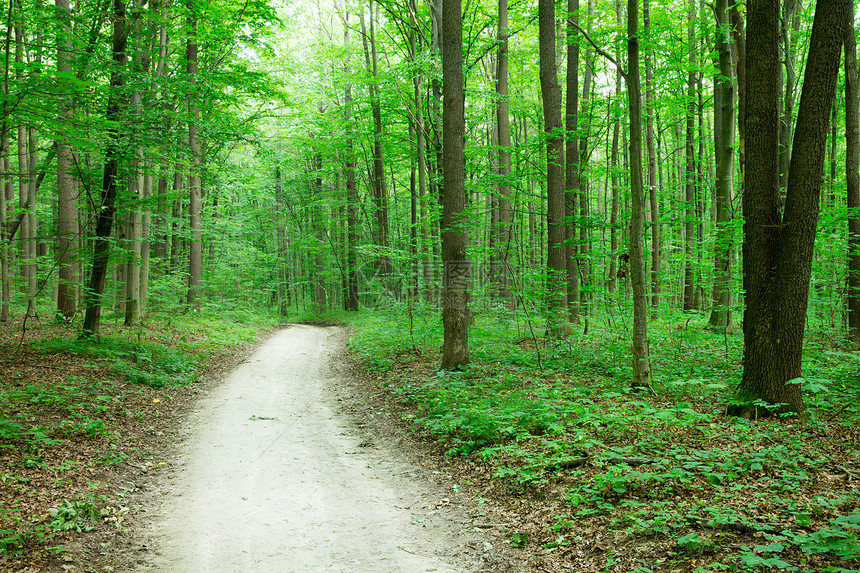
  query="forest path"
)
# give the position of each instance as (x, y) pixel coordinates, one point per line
(275, 478)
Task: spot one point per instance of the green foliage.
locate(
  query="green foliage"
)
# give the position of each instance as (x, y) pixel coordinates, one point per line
(137, 362)
(74, 515)
(519, 539)
(669, 468)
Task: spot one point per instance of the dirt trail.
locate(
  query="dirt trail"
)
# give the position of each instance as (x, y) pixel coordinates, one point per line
(274, 479)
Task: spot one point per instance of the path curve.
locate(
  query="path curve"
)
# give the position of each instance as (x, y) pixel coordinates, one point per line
(274, 479)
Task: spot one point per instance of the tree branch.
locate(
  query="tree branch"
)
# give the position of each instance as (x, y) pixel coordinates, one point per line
(599, 49)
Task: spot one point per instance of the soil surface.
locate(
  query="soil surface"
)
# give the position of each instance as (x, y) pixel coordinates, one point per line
(280, 472)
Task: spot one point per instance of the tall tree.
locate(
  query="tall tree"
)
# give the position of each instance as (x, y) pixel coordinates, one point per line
(67, 216)
(852, 173)
(571, 157)
(195, 186)
(584, 265)
(503, 233)
(614, 163)
(652, 162)
(724, 139)
(641, 359)
(113, 154)
(6, 181)
(351, 295)
(551, 96)
(378, 184)
(457, 273)
(690, 165)
(778, 245)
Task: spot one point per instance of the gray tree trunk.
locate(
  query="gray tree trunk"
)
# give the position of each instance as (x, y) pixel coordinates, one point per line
(195, 186)
(721, 312)
(456, 269)
(852, 171)
(551, 96)
(641, 360)
(67, 211)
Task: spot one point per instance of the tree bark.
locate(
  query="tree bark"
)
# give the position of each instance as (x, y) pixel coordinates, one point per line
(652, 169)
(790, 24)
(641, 360)
(740, 45)
(852, 171)
(456, 268)
(351, 294)
(113, 153)
(195, 185)
(614, 167)
(551, 96)
(572, 169)
(67, 212)
(724, 137)
(503, 233)
(690, 167)
(778, 249)
(378, 184)
(584, 266)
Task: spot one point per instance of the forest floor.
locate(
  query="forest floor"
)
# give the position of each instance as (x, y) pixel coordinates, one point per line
(532, 459)
(280, 465)
(582, 474)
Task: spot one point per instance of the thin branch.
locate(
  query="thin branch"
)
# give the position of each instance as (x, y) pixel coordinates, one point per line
(599, 49)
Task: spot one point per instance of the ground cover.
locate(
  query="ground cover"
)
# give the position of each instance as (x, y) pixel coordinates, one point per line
(594, 477)
(81, 421)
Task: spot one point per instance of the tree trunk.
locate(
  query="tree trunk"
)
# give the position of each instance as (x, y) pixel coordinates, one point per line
(572, 169)
(178, 215)
(584, 265)
(551, 95)
(134, 232)
(133, 236)
(641, 360)
(320, 291)
(503, 233)
(690, 167)
(195, 186)
(145, 231)
(283, 252)
(724, 137)
(378, 185)
(652, 168)
(422, 222)
(457, 273)
(614, 167)
(67, 212)
(852, 167)
(778, 249)
(740, 44)
(5, 292)
(113, 152)
(351, 294)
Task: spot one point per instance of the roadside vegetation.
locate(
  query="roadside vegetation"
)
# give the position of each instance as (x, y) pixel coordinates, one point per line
(79, 417)
(596, 477)
(567, 464)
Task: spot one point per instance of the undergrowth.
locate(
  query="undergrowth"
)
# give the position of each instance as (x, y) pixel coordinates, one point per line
(73, 411)
(666, 479)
